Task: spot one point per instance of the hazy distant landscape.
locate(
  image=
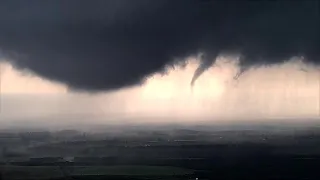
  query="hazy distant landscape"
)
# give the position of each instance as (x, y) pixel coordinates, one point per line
(162, 152)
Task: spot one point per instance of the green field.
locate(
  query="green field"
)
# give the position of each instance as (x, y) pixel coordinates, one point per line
(46, 172)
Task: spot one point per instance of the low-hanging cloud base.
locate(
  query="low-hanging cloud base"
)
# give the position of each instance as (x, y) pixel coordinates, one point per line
(106, 45)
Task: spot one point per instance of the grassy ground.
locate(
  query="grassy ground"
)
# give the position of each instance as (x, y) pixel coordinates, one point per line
(46, 172)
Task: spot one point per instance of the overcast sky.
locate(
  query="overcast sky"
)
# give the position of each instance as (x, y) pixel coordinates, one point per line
(263, 94)
(108, 58)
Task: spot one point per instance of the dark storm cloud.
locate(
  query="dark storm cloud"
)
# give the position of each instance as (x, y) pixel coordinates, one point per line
(109, 44)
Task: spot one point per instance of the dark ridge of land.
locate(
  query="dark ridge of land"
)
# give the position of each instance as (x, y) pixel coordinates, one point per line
(177, 153)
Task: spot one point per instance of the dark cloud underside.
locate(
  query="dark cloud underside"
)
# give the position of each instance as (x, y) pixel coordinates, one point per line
(108, 44)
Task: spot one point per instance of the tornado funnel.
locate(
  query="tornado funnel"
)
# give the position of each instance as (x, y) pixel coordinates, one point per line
(206, 61)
